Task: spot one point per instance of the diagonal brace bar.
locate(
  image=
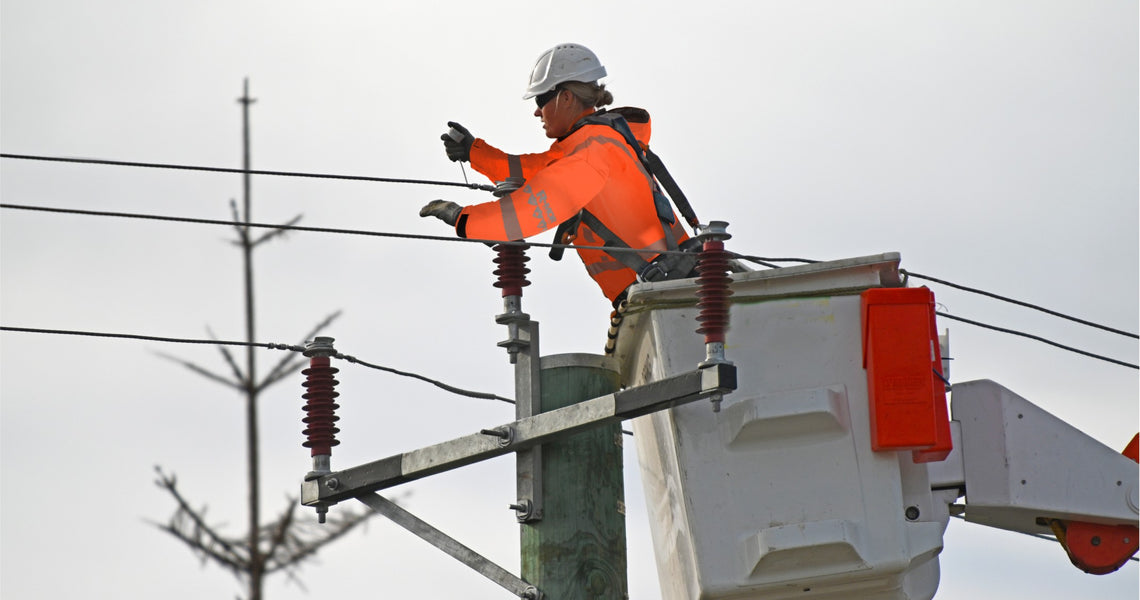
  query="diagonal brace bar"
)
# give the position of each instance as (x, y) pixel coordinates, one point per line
(519, 435)
(451, 546)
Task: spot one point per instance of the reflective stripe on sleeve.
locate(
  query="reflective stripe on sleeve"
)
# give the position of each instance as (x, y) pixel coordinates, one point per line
(510, 218)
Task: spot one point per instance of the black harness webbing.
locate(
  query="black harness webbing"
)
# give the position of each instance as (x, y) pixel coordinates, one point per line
(662, 174)
(658, 177)
(563, 235)
(629, 259)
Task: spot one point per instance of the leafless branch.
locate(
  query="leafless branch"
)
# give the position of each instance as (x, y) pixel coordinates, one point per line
(289, 542)
(202, 371)
(276, 232)
(280, 530)
(189, 525)
(293, 365)
(305, 538)
(229, 358)
(243, 232)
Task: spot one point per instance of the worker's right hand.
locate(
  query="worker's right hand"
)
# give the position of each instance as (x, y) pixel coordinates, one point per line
(457, 142)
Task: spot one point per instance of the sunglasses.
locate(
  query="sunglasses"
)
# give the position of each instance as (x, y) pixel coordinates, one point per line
(542, 99)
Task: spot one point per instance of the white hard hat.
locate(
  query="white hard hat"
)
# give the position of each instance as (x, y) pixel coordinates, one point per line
(562, 63)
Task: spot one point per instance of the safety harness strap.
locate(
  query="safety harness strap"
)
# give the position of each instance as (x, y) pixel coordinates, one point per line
(564, 235)
(662, 268)
(619, 124)
(514, 166)
(662, 174)
(629, 259)
(657, 174)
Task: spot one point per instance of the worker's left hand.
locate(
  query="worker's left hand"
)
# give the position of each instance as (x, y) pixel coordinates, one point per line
(444, 210)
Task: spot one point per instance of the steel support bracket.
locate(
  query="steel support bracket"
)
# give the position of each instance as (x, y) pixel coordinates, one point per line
(451, 546)
(528, 462)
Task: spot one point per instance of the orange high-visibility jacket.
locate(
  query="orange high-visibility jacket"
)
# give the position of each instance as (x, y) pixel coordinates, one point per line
(592, 168)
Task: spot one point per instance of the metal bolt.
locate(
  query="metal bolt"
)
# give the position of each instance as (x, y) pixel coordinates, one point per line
(1095, 540)
(912, 513)
(524, 509)
(506, 435)
(332, 484)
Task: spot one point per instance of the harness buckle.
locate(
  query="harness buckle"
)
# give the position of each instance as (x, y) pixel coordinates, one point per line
(654, 271)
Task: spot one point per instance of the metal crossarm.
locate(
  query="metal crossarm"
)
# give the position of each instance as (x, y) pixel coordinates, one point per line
(519, 435)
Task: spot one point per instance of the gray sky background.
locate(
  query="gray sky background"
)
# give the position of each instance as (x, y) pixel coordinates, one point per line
(993, 144)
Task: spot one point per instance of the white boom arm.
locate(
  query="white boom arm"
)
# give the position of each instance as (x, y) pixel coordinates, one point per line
(1023, 469)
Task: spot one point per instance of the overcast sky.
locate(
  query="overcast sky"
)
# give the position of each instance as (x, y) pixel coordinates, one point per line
(993, 144)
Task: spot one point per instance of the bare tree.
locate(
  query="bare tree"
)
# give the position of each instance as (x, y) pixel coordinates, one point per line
(285, 543)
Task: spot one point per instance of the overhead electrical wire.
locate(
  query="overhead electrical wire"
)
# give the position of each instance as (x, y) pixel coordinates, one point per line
(764, 260)
(234, 223)
(270, 346)
(535, 244)
(1038, 338)
(759, 260)
(436, 383)
(122, 163)
(1019, 303)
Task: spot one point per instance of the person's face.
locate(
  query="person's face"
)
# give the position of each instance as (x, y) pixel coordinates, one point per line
(557, 109)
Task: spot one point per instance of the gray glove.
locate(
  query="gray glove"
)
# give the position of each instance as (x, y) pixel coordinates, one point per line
(444, 210)
(457, 142)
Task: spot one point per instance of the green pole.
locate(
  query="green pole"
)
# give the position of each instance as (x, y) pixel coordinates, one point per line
(578, 550)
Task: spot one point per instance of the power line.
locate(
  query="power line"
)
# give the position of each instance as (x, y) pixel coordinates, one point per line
(270, 346)
(1039, 339)
(759, 260)
(438, 384)
(233, 223)
(121, 163)
(1019, 303)
(764, 260)
(543, 245)
(386, 234)
(152, 338)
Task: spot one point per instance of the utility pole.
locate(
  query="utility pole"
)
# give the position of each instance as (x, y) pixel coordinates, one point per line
(256, 563)
(577, 551)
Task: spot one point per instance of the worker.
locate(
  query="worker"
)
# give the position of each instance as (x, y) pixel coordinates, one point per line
(590, 186)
